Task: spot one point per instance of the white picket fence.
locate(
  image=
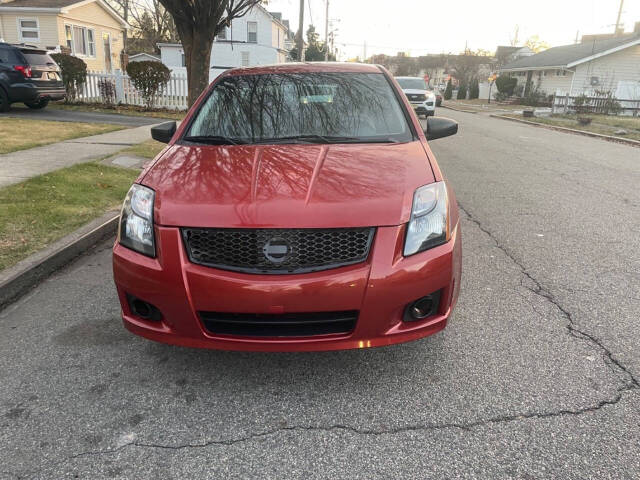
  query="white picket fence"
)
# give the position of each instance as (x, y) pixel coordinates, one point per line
(564, 103)
(174, 94)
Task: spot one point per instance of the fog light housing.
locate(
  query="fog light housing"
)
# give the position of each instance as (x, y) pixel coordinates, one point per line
(422, 308)
(143, 310)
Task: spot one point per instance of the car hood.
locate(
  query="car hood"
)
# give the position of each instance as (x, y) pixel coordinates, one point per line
(414, 91)
(288, 186)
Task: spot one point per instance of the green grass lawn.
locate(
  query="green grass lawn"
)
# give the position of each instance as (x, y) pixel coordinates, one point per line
(480, 105)
(43, 209)
(122, 110)
(603, 124)
(616, 122)
(148, 149)
(20, 134)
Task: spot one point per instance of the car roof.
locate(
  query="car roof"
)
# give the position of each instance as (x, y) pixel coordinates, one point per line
(402, 78)
(306, 67)
(24, 47)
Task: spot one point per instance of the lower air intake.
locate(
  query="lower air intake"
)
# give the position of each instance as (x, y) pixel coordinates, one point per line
(279, 325)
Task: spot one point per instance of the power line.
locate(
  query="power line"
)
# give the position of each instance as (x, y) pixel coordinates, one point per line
(310, 15)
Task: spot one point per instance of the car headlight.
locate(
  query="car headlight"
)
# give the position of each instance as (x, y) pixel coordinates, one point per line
(429, 223)
(136, 221)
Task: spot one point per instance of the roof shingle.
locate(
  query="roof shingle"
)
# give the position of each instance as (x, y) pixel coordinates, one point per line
(566, 54)
(39, 3)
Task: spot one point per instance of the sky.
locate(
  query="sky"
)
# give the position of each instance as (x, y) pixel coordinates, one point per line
(420, 27)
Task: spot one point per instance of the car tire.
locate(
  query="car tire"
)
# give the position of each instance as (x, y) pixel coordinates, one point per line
(4, 101)
(38, 105)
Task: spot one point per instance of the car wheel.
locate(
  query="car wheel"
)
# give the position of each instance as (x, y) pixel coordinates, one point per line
(4, 101)
(38, 105)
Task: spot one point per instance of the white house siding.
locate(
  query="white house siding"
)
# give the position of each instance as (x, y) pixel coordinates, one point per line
(551, 82)
(235, 51)
(48, 27)
(171, 56)
(622, 67)
(223, 54)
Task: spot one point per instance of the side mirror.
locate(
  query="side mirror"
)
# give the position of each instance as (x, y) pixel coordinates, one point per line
(163, 132)
(438, 127)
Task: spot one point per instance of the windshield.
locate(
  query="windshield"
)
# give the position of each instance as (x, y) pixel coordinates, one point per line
(412, 83)
(301, 107)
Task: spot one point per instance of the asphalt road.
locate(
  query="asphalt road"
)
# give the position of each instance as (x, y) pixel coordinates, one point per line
(60, 115)
(536, 375)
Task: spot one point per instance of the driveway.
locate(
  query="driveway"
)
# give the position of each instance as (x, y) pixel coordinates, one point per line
(535, 376)
(60, 115)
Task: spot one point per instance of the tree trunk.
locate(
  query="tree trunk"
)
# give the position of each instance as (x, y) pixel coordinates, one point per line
(197, 51)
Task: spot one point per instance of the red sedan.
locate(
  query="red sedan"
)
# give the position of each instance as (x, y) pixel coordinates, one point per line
(297, 207)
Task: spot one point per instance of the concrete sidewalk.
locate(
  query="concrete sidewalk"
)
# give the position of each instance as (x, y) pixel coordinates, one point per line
(18, 166)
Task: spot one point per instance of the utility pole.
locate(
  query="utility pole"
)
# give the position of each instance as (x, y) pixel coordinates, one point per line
(300, 32)
(619, 15)
(326, 32)
(364, 59)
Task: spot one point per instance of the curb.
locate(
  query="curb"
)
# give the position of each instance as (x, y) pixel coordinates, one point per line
(458, 109)
(26, 274)
(609, 138)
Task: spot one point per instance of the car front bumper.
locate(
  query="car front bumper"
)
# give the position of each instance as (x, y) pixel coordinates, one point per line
(379, 289)
(424, 108)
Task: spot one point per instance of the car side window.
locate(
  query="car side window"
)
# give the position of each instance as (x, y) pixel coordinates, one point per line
(8, 56)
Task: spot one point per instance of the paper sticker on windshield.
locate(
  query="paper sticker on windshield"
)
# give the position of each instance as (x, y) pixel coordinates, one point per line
(317, 99)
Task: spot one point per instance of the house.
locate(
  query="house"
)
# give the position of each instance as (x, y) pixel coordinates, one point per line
(144, 57)
(88, 29)
(258, 38)
(609, 64)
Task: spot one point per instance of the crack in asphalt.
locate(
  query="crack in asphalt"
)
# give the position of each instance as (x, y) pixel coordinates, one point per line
(542, 291)
(345, 428)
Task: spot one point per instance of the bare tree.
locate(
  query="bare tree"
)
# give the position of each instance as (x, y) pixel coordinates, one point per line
(150, 22)
(123, 7)
(466, 65)
(514, 40)
(535, 44)
(198, 22)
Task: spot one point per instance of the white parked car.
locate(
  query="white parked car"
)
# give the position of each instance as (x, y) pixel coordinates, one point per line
(421, 98)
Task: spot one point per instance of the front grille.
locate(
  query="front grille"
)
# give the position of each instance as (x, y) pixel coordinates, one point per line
(417, 97)
(277, 251)
(279, 325)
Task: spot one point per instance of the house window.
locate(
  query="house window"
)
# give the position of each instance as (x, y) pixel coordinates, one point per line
(252, 32)
(184, 60)
(81, 40)
(245, 59)
(29, 29)
(91, 41)
(222, 34)
(69, 36)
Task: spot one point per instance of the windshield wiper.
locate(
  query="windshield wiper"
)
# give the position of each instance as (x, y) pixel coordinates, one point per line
(314, 138)
(213, 140)
(303, 138)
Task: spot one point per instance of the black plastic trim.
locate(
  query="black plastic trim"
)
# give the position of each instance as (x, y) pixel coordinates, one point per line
(270, 271)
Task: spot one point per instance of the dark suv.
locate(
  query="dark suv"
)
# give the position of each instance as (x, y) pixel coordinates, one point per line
(29, 75)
